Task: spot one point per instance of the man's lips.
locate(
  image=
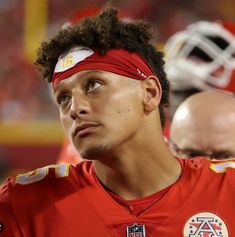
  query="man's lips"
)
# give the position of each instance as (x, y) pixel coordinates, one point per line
(84, 129)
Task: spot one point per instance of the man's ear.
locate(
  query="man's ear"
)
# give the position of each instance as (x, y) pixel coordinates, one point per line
(153, 93)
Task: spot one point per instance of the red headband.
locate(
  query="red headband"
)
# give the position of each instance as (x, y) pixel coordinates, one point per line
(119, 61)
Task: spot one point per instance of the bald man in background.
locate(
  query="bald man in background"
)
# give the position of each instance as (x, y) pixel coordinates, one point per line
(204, 125)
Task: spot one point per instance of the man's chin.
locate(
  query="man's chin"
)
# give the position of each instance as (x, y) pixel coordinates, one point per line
(96, 152)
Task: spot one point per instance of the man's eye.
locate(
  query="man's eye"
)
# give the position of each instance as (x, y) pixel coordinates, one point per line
(92, 85)
(62, 99)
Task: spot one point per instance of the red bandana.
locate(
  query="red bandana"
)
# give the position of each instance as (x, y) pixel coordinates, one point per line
(117, 61)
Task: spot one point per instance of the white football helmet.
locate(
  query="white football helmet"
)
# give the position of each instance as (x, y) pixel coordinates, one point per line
(202, 56)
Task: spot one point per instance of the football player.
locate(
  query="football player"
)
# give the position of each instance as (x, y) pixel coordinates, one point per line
(110, 88)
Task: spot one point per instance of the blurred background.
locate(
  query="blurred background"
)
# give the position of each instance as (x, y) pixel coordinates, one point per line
(30, 132)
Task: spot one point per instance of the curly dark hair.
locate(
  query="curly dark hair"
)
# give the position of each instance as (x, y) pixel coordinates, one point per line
(106, 31)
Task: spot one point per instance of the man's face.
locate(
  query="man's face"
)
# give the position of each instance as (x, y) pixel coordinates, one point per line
(214, 138)
(99, 110)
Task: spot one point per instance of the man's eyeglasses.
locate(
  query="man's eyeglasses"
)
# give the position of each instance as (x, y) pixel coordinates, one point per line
(190, 153)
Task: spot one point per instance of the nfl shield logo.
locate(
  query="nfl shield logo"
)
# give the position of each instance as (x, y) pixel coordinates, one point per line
(135, 231)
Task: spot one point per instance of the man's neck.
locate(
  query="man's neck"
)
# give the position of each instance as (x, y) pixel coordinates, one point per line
(140, 172)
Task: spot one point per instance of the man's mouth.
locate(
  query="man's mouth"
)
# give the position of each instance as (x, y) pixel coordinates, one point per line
(84, 129)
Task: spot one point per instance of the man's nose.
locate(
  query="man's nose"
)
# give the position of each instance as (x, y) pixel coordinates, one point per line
(79, 106)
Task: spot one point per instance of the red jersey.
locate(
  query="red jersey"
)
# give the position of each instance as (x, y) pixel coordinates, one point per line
(68, 201)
